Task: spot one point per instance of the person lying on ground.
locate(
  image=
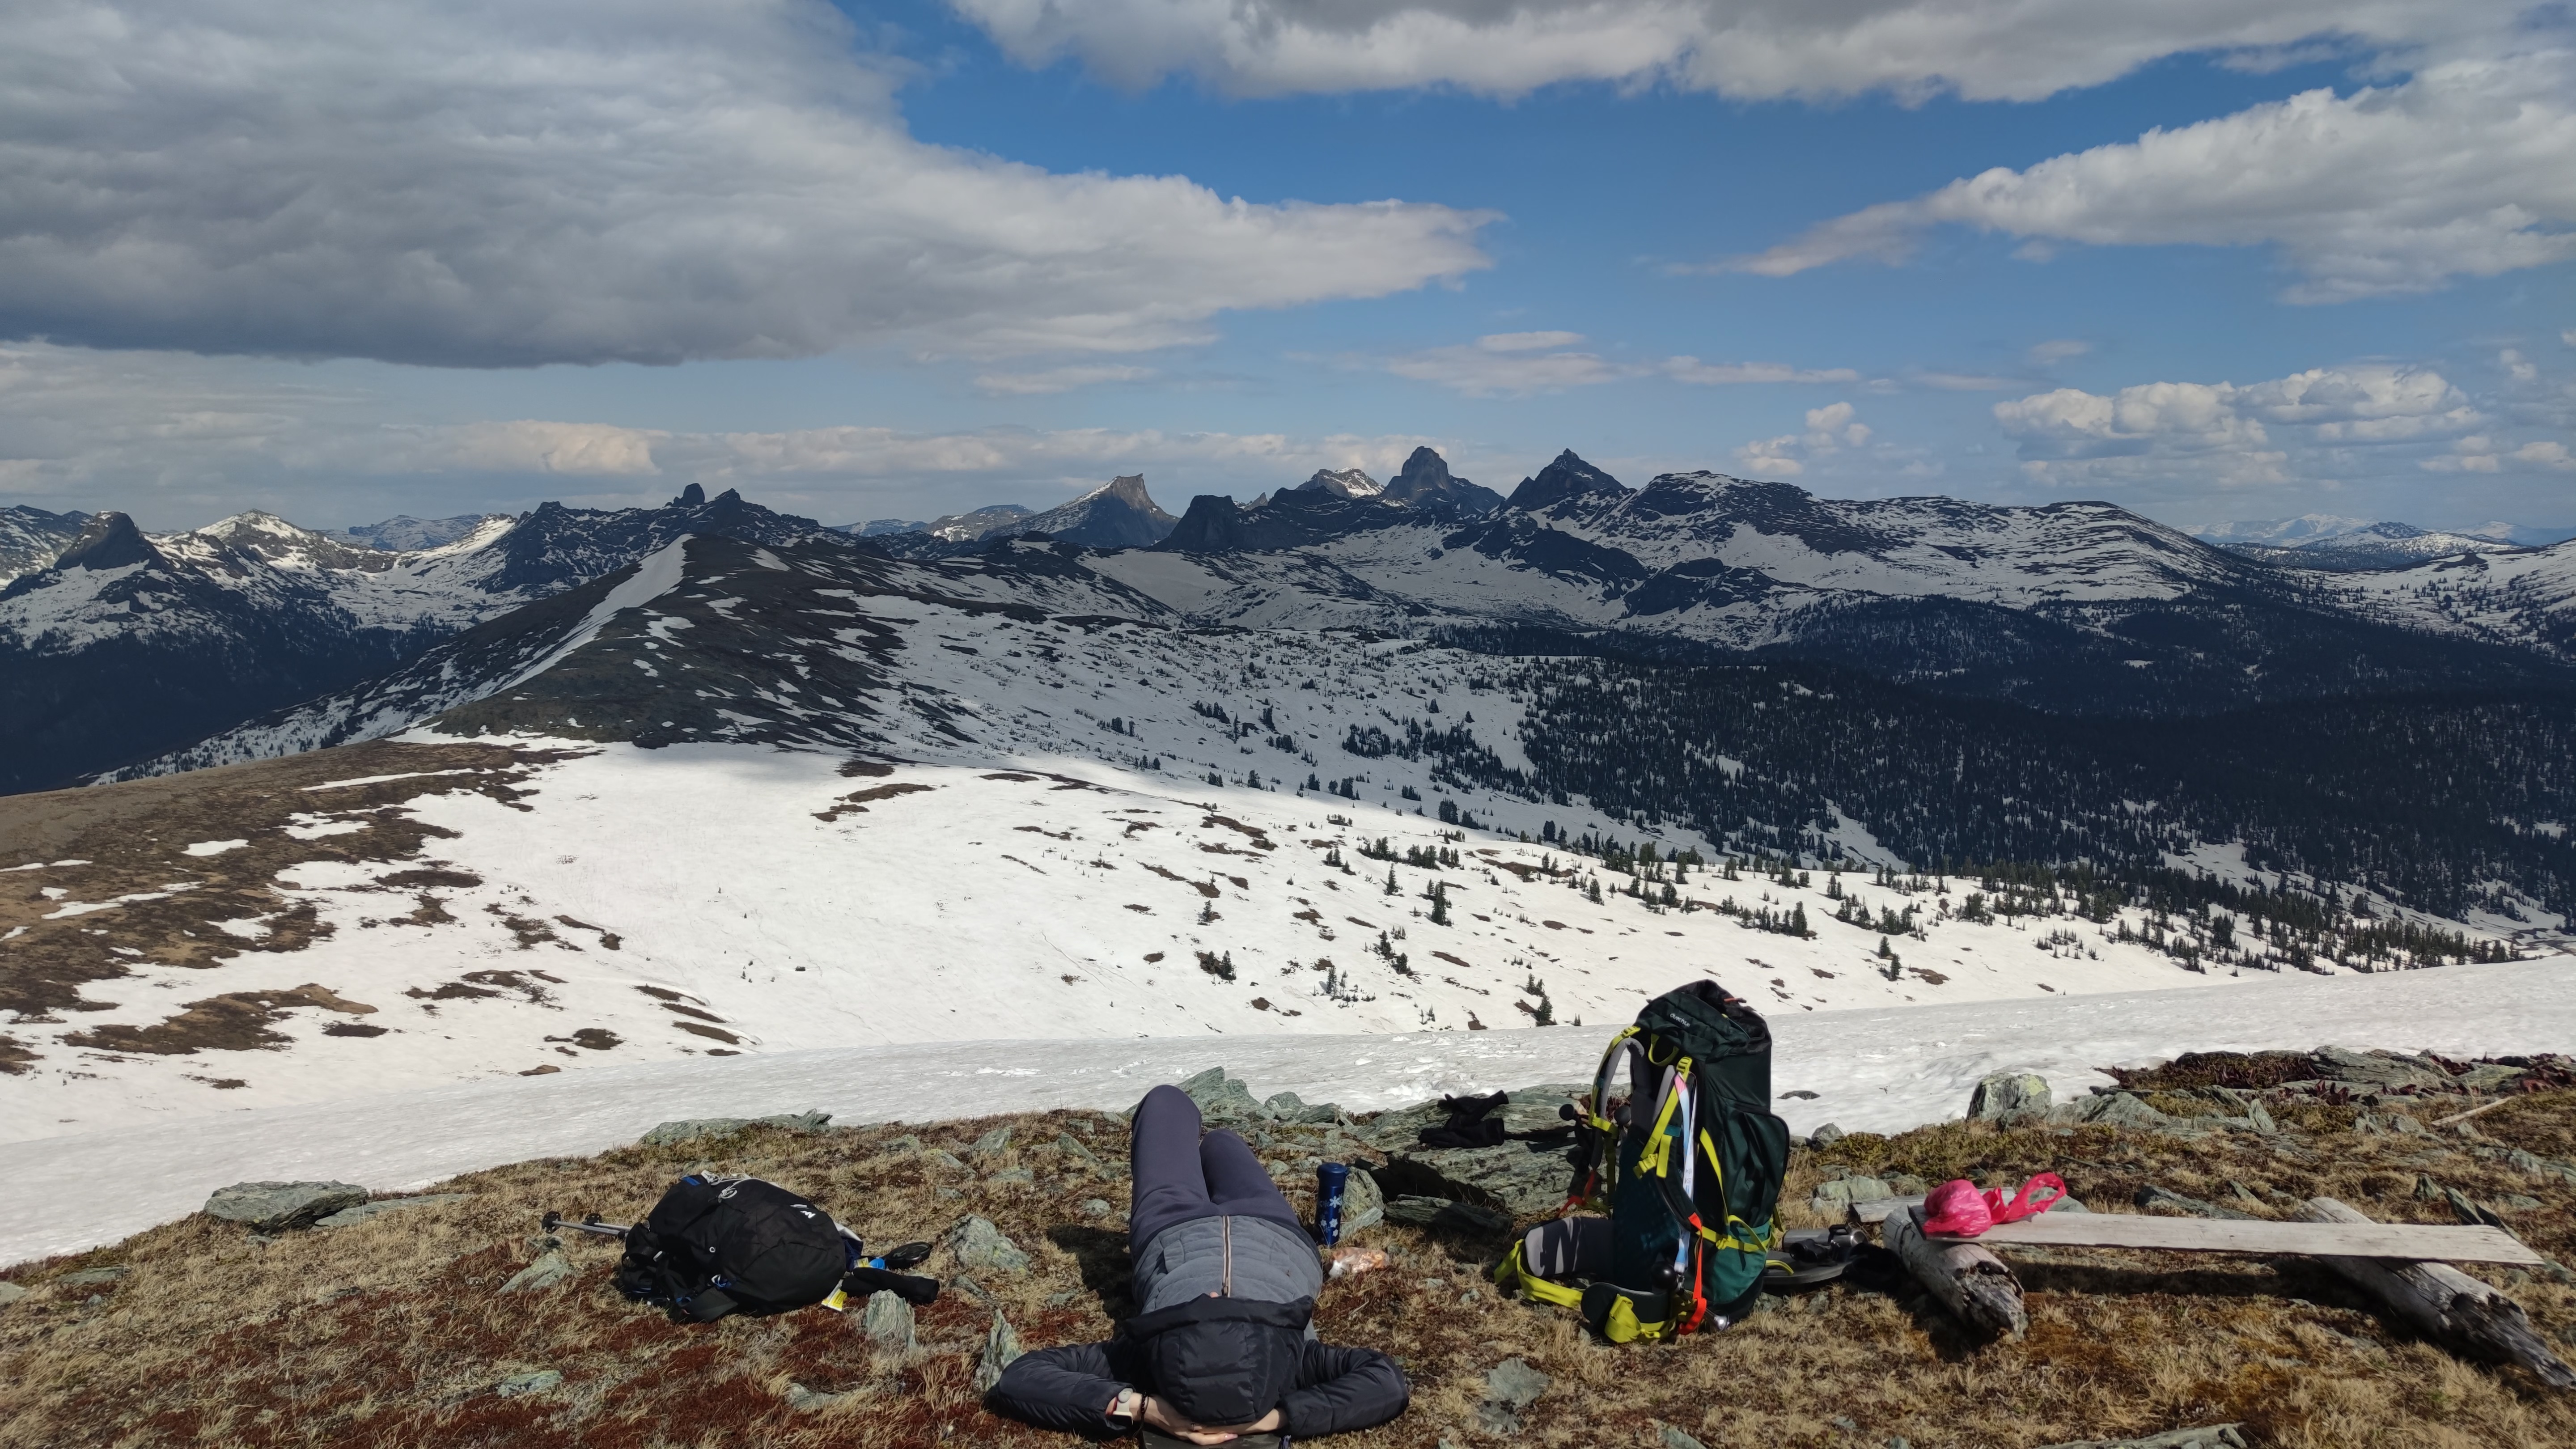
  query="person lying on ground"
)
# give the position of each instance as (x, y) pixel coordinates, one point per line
(1223, 1345)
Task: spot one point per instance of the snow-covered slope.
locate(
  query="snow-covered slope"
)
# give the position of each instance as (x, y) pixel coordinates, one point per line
(2521, 599)
(753, 799)
(30, 537)
(1881, 1070)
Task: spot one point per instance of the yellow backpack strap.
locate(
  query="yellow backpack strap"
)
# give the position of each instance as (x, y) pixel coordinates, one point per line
(1512, 1275)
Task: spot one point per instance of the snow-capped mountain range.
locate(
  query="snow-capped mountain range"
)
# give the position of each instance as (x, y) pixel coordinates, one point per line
(124, 645)
(2356, 545)
(133, 647)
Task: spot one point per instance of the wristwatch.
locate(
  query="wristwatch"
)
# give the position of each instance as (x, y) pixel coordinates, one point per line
(1127, 1405)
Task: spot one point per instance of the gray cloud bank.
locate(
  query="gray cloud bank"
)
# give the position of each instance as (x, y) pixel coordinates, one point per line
(517, 182)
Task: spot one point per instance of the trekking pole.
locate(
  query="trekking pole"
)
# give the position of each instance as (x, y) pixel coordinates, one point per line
(556, 1222)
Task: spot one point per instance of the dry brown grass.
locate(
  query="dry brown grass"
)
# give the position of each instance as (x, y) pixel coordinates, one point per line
(391, 1333)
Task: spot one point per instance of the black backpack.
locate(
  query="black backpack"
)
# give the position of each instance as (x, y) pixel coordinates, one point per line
(719, 1245)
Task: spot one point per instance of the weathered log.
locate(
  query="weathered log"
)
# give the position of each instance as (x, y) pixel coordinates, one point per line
(1971, 1282)
(2447, 1305)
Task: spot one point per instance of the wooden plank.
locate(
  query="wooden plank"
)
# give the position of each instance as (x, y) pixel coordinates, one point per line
(1972, 1283)
(2365, 1239)
(2447, 1305)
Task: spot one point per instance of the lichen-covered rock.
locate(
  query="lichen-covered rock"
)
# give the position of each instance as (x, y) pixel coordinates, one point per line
(975, 1243)
(1289, 1107)
(274, 1207)
(1520, 1179)
(92, 1277)
(1001, 1345)
(2380, 1069)
(10, 1293)
(352, 1216)
(1826, 1136)
(887, 1321)
(543, 1381)
(671, 1134)
(1509, 1391)
(2216, 1436)
(2113, 1109)
(992, 1142)
(1363, 1203)
(1222, 1099)
(550, 1268)
(2007, 1096)
(1835, 1195)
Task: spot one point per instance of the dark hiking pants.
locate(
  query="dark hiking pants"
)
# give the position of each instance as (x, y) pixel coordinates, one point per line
(1179, 1175)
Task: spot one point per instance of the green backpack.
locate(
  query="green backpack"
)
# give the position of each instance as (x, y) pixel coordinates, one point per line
(1689, 1171)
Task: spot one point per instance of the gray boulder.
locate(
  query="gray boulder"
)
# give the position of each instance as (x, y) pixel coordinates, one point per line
(10, 1293)
(1519, 1178)
(1363, 1203)
(2113, 1109)
(2381, 1069)
(274, 1207)
(671, 1134)
(1222, 1099)
(1289, 1107)
(1509, 1391)
(550, 1269)
(992, 1142)
(543, 1381)
(1834, 1196)
(976, 1243)
(92, 1277)
(2007, 1096)
(351, 1216)
(1534, 1109)
(1826, 1136)
(887, 1321)
(1001, 1345)
(1066, 1143)
(2216, 1436)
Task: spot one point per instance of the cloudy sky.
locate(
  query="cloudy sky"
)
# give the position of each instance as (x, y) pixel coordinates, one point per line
(2211, 259)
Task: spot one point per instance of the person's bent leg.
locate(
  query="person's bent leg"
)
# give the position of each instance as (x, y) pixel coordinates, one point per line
(1163, 1166)
(1238, 1184)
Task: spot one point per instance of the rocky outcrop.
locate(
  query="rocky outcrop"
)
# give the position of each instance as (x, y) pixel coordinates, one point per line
(275, 1207)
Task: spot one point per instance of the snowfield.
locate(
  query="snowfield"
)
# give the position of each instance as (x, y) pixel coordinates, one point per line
(1879, 1070)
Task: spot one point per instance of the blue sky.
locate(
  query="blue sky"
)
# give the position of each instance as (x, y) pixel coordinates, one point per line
(2239, 261)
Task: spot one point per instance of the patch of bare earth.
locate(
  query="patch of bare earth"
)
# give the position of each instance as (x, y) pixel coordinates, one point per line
(116, 885)
(395, 1332)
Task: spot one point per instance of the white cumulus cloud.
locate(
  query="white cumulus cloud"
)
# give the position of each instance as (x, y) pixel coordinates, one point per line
(511, 182)
(2468, 168)
(1979, 49)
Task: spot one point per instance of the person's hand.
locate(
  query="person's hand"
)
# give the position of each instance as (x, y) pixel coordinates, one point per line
(1161, 1416)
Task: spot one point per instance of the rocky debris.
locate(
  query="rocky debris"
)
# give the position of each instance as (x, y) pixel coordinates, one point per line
(671, 1134)
(946, 1158)
(1288, 1107)
(2380, 1069)
(1001, 1345)
(1675, 1439)
(92, 1277)
(1223, 1101)
(550, 1269)
(2112, 1109)
(805, 1401)
(1826, 1136)
(1509, 1391)
(976, 1243)
(351, 1216)
(2008, 1097)
(274, 1207)
(1447, 1215)
(1096, 1207)
(887, 1321)
(2216, 1436)
(542, 1381)
(2532, 1165)
(1363, 1203)
(993, 1143)
(1518, 1178)
(10, 1293)
(2152, 1197)
(1070, 1146)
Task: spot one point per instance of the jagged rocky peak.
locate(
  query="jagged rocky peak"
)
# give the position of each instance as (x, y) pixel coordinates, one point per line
(107, 541)
(1348, 483)
(1567, 479)
(1117, 514)
(692, 496)
(1425, 482)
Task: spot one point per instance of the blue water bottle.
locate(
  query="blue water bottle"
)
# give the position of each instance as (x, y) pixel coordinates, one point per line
(1332, 1180)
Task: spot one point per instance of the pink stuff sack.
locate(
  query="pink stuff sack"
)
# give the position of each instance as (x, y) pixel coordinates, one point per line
(1956, 1209)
